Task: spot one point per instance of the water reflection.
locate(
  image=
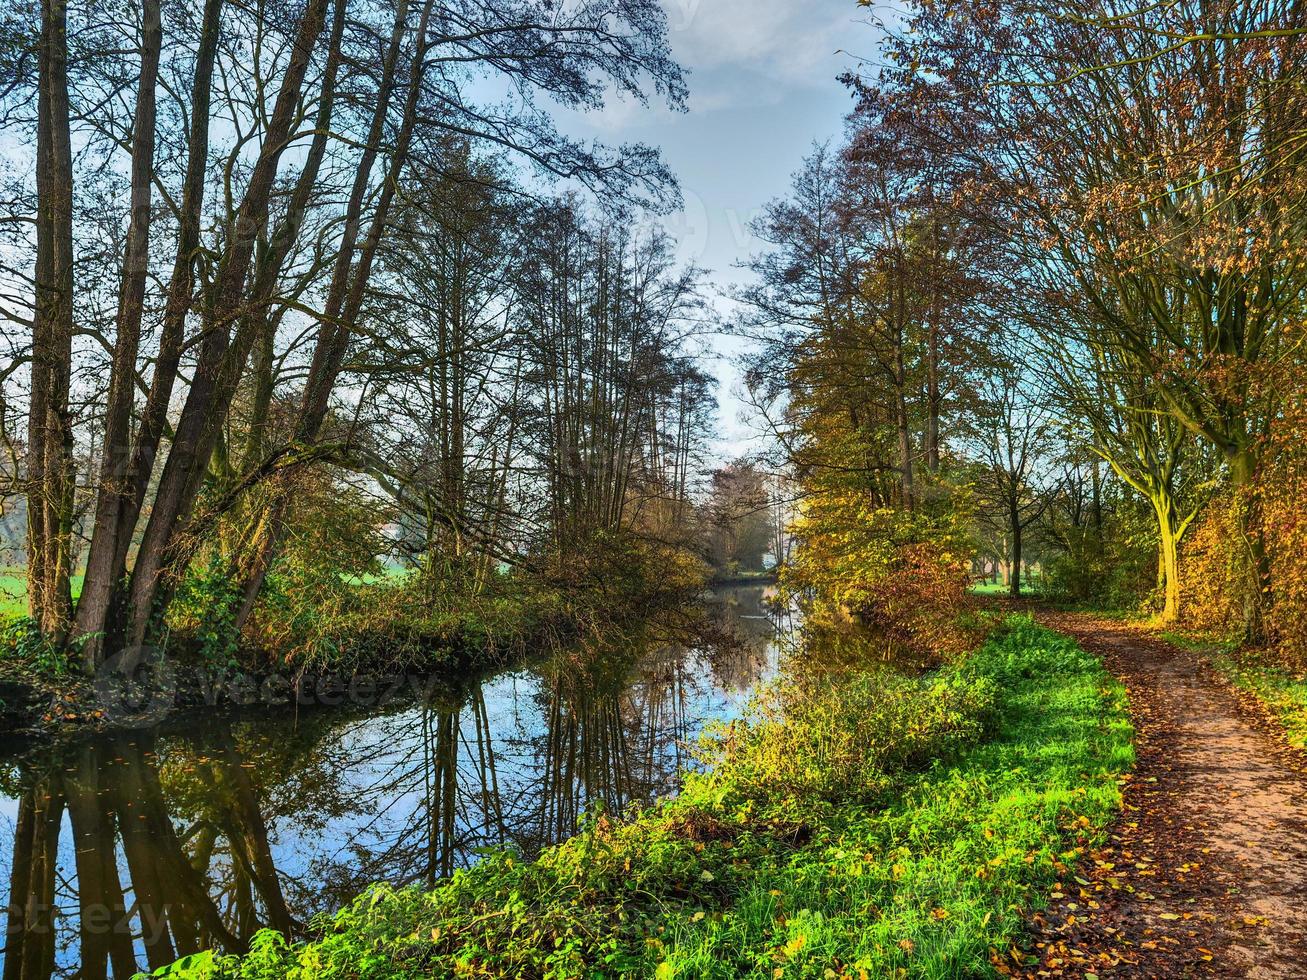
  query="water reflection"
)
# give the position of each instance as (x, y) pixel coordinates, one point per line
(132, 850)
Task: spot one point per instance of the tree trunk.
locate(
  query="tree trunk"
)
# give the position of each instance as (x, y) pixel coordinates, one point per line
(50, 472)
(1169, 550)
(900, 396)
(933, 397)
(346, 291)
(101, 570)
(100, 607)
(215, 375)
(1170, 528)
(1014, 584)
(905, 452)
(348, 286)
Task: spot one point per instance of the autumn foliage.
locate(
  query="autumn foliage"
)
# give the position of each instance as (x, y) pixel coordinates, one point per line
(1213, 578)
(901, 576)
(1281, 501)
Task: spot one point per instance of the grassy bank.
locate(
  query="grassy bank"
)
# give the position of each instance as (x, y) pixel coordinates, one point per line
(319, 633)
(852, 826)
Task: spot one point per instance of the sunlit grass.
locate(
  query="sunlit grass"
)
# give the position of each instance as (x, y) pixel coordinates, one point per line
(391, 573)
(1028, 589)
(922, 871)
(13, 591)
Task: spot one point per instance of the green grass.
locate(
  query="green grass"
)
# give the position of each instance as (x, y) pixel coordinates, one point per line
(390, 573)
(13, 591)
(987, 587)
(1282, 691)
(904, 835)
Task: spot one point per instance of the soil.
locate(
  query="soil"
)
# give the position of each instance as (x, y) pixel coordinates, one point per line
(1205, 873)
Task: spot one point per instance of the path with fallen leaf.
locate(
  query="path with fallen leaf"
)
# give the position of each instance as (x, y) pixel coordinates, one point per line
(1206, 872)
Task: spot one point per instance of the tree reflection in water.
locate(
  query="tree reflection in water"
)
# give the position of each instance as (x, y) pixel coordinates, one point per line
(136, 849)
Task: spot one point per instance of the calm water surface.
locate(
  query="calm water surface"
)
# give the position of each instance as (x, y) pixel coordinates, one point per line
(124, 853)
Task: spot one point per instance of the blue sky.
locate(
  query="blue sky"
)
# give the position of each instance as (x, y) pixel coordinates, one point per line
(763, 89)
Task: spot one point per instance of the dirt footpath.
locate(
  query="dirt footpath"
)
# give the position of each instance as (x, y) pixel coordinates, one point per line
(1206, 872)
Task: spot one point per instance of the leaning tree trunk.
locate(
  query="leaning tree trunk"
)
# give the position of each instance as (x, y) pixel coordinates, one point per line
(213, 382)
(100, 606)
(268, 541)
(349, 278)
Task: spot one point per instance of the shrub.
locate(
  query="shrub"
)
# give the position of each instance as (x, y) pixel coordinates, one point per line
(903, 576)
(24, 648)
(848, 738)
(1213, 572)
(447, 611)
(205, 607)
(1281, 502)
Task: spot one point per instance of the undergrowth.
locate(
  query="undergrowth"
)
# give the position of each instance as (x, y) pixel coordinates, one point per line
(434, 618)
(862, 825)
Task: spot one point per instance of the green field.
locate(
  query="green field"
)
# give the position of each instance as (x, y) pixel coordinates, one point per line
(13, 591)
(13, 587)
(390, 573)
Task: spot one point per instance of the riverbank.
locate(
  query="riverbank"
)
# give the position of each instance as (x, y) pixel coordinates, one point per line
(365, 644)
(303, 809)
(851, 833)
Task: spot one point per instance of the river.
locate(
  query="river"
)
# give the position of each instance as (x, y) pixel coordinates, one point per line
(127, 851)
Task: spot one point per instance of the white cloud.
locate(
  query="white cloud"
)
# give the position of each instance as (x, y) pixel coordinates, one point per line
(748, 53)
(783, 41)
